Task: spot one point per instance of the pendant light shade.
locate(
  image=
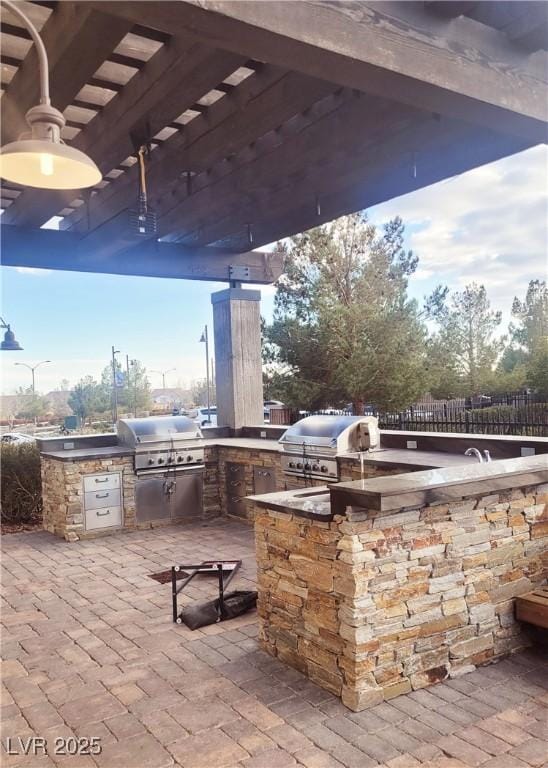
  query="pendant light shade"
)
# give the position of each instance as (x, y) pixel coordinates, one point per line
(47, 165)
(40, 158)
(10, 343)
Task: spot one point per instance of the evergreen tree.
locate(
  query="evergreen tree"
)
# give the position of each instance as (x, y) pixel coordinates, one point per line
(87, 398)
(344, 328)
(466, 340)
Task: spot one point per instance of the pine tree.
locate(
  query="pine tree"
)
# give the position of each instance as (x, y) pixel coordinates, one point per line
(344, 328)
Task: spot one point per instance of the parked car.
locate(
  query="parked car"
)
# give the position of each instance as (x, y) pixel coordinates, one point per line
(16, 438)
(205, 418)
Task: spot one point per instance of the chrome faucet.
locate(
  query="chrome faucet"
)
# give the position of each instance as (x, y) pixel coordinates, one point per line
(487, 456)
(476, 453)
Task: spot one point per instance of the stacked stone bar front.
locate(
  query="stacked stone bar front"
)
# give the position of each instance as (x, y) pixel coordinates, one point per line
(373, 604)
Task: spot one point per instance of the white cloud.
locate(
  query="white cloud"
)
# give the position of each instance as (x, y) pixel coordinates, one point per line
(488, 225)
(33, 271)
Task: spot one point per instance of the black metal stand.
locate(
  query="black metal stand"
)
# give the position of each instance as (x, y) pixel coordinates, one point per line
(209, 568)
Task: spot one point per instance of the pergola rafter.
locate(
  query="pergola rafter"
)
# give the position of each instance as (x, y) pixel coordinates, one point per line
(265, 118)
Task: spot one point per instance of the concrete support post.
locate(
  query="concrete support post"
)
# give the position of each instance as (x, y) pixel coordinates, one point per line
(238, 361)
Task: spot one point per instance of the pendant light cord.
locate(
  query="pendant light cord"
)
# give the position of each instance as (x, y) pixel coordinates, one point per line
(40, 49)
(142, 151)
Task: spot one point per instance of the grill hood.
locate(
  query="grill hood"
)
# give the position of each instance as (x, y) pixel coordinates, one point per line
(332, 434)
(159, 429)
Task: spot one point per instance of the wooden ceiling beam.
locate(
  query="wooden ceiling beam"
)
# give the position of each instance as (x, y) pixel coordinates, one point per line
(250, 110)
(372, 177)
(174, 78)
(352, 118)
(78, 38)
(107, 238)
(51, 249)
(461, 69)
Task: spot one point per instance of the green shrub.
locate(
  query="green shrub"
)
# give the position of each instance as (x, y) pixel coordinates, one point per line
(21, 486)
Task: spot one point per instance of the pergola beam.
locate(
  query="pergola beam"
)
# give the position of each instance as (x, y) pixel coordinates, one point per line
(52, 249)
(261, 103)
(372, 178)
(396, 50)
(152, 99)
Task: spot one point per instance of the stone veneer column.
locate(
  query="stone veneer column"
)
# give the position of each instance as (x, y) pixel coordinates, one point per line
(238, 360)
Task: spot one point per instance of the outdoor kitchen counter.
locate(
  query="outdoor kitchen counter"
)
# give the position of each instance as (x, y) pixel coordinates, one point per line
(105, 452)
(391, 457)
(408, 489)
(86, 454)
(377, 587)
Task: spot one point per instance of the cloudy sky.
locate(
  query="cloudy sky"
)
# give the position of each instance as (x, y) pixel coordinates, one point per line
(488, 225)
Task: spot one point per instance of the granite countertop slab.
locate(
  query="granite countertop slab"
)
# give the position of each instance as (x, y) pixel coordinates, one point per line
(435, 485)
(105, 452)
(408, 489)
(85, 454)
(313, 503)
(389, 457)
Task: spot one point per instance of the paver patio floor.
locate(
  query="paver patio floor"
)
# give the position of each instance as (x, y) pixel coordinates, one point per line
(89, 650)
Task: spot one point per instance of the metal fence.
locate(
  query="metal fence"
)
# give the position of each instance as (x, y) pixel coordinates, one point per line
(507, 414)
(532, 421)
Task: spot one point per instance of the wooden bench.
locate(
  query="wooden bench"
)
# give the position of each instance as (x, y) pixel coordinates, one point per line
(533, 607)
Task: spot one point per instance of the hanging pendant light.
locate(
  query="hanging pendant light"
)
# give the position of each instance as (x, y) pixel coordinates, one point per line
(41, 158)
(10, 343)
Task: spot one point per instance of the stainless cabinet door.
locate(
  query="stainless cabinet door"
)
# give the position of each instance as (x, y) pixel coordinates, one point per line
(186, 500)
(264, 480)
(150, 499)
(173, 497)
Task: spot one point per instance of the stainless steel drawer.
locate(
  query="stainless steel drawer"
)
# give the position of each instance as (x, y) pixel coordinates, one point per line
(103, 498)
(235, 487)
(101, 482)
(237, 506)
(108, 517)
(235, 471)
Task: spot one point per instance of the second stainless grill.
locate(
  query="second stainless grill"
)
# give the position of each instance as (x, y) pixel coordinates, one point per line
(310, 446)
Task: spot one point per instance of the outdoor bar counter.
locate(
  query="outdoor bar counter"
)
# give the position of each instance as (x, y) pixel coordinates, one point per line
(379, 586)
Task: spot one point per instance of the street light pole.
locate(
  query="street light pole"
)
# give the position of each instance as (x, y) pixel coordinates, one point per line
(32, 368)
(114, 390)
(205, 339)
(163, 375)
(132, 363)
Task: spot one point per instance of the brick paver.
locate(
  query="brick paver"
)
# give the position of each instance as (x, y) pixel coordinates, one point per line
(89, 649)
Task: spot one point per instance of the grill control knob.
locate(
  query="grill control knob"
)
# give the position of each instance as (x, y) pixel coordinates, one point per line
(315, 467)
(323, 468)
(160, 461)
(291, 464)
(189, 458)
(299, 465)
(170, 460)
(151, 461)
(179, 458)
(307, 466)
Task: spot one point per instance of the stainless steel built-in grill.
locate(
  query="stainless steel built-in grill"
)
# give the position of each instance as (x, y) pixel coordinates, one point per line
(169, 464)
(162, 442)
(310, 446)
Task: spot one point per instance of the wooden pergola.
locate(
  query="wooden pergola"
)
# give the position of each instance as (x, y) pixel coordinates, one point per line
(263, 119)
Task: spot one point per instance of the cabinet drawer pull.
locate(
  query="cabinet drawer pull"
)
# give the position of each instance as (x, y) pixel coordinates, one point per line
(102, 514)
(236, 499)
(105, 480)
(102, 495)
(234, 483)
